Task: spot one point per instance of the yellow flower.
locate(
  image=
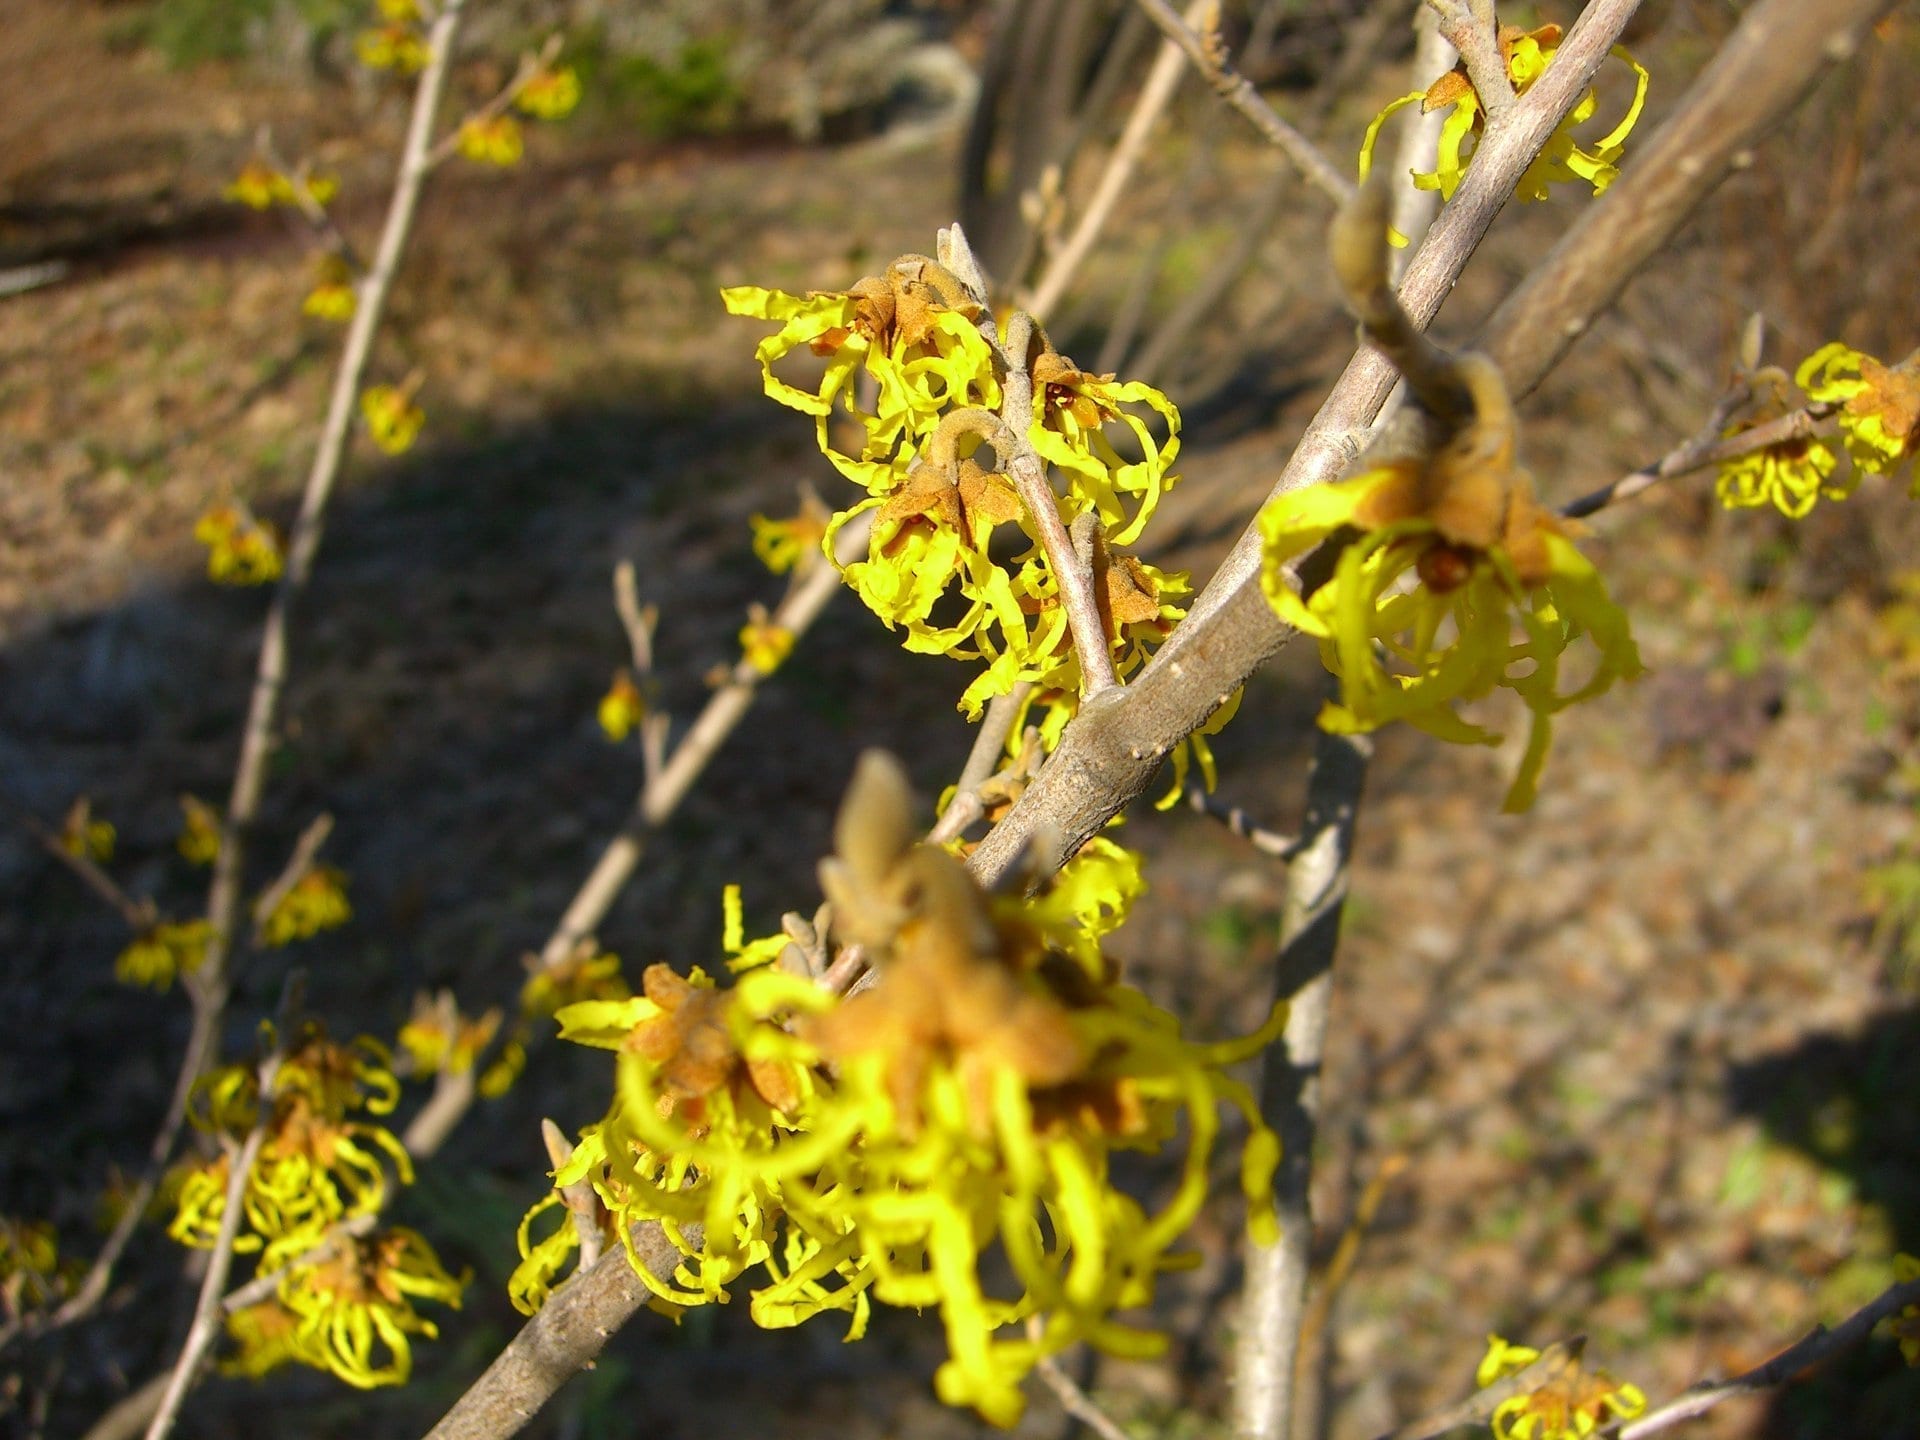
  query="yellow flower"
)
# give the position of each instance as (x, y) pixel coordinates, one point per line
(241, 548)
(914, 329)
(317, 901)
(396, 47)
(83, 836)
(763, 644)
(393, 420)
(622, 707)
(259, 186)
(267, 1336)
(317, 1165)
(1070, 410)
(401, 12)
(29, 1265)
(355, 1310)
(441, 1039)
(589, 973)
(783, 545)
(742, 954)
(159, 954)
(1571, 1405)
(495, 141)
(880, 1149)
(1527, 53)
(1879, 404)
(550, 95)
(333, 296)
(200, 829)
(1450, 555)
(1790, 474)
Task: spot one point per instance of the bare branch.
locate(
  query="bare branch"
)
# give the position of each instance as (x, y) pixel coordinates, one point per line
(1267, 842)
(563, 1339)
(1706, 448)
(138, 914)
(1821, 1344)
(1473, 31)
(1029, 474)
(1074, 1400)
(1233, 87)
(1273, 1297)
(207, 1314)
(1478, 1407)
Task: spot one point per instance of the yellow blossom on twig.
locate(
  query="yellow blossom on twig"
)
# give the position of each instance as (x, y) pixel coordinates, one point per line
(200, 828)
(315, 902)
(333, 296)
(763, 644)
(1790, 474)
(1450, 556)
(1879, 404)
(84, 835)
(494, 140)
(393, 420)
(549, 95)
(1527, 53)
(355, 1309)
(241, 548)
(1571, 1405)
(622, 707)
(397, 47)
(157, 955)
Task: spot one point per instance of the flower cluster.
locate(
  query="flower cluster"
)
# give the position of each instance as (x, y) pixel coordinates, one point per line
(162, 951)
(241, 548)
(30, 1272)
(1879, 415)
(349, 1312)
(320, 1162)
(1564, 159)
(260, 186)
(1572, 1404)
(397, 44)
(1443, 558)
(875, 1149)
(200, 828)
(316, 901)
(1875, 407)
(333, 296)
(954, 559)
(393, 420)
(85, 835)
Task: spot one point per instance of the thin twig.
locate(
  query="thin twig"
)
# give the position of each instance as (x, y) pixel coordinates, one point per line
(1023, 465)
(295, 870)
(988, 746)
(1820, 1344)
(1273, 1303)
(663, 792)
(1267, 842)
(637, 620)
(1478, 1407)
(530, 65)
(1073, 1399)
(207, 1312)
(207, 986)
(138, 914)
(1238, 92)
(563, 1339)
(1162, 81)
(1708, 447)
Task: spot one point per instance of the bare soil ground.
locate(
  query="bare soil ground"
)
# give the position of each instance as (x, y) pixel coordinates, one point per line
(1650, 1077)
